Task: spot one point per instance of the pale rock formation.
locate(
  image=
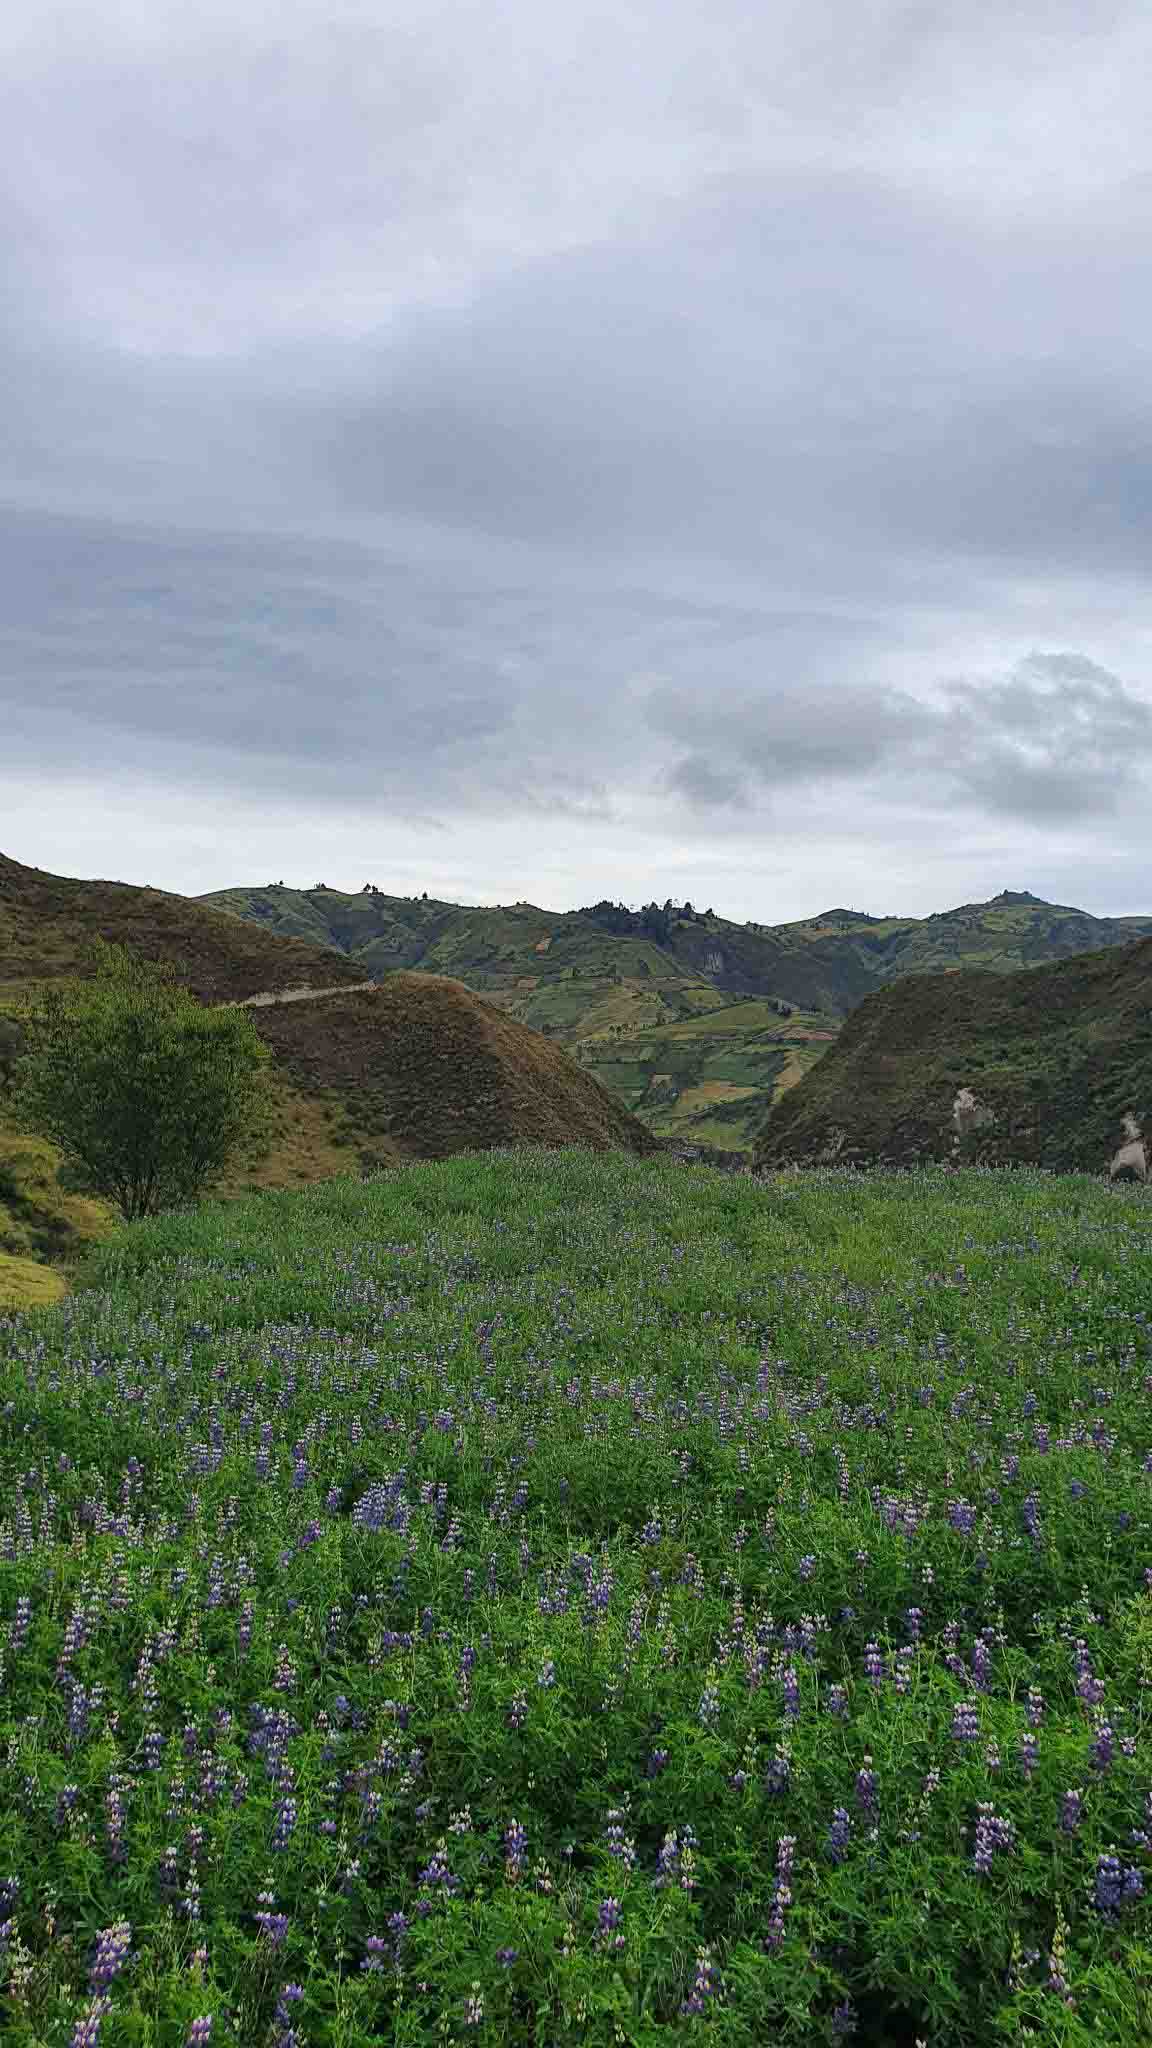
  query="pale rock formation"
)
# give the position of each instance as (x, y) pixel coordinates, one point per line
(1131, 1161)
(968, 1114)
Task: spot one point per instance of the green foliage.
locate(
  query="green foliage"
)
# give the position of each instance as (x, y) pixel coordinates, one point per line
(549, 1597)
(146, 1092)
(613, 985)
(25, 1283)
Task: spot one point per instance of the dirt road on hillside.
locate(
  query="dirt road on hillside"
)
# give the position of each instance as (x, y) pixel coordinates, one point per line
(293, 995)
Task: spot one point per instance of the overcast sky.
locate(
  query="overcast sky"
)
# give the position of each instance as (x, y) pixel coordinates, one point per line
(631, 448)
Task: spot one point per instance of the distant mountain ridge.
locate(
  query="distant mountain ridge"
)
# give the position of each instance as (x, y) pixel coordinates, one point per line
(696, 1023)
(833, 959)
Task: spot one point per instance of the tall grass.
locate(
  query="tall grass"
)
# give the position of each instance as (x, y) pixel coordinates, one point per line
(544, 1597)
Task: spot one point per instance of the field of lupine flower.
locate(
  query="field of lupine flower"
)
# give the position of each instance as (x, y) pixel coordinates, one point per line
(544, 1596)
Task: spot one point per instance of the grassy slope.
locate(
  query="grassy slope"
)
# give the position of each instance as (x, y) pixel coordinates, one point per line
(428, 1069)
(678, 1032)
(46, 921)
(1059, 1054)
(744, 1367)
(455, 1073)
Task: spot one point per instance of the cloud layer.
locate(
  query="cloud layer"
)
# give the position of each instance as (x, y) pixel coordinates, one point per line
(693, 452)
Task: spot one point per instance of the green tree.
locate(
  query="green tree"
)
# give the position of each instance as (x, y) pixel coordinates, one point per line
(143, 1089)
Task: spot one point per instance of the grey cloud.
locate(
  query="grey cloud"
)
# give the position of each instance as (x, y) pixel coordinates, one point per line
(1059, 740)
(706, 787)
(485, 421)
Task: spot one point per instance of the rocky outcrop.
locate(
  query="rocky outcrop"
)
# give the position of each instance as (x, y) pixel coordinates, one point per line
(1047, 1067)
(1131, 1161)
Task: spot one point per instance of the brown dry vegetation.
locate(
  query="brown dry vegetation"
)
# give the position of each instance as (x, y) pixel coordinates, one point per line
(419, 1068)
(47, 921)
(426, 1068)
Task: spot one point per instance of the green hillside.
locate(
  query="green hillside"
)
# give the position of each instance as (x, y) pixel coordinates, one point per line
(361, 1078)
(696, 1024)
(1055, 1058)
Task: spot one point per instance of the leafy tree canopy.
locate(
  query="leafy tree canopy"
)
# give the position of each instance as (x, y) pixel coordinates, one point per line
(141, 1087)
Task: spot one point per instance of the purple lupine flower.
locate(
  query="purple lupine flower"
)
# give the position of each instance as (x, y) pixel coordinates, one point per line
(778, 1772)
(437, 1871)
(1115, 1886)
(966, 1721)
(274, 1926)
(199, 2032)
(114, 1819)
(866, 1796)
(608, 1922)
(112, 1946)
(65, 1803)
(286, 2035)
(782, 1894)
(791, 1684)
(86, 2032)
(657, 1758)
(507, 1956)
(1036, 1707)
(620, 1845)
(1090, 1689)
(838, 1701)
(806, 1567)
(992, 1833)
(1029, 1754)
(515, 1844)
(21, 1622)
(874, 1665)
(705, 1985)
(844, 2020)
(708, 1711)
(902, 1675)
(836, 1845)
(1103, 1749)
(1070, 1812)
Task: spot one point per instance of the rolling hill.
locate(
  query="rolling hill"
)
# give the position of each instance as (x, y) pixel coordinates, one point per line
(696, 1025)
(405, 1028)
(361, 1077)
(1056, 1060)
